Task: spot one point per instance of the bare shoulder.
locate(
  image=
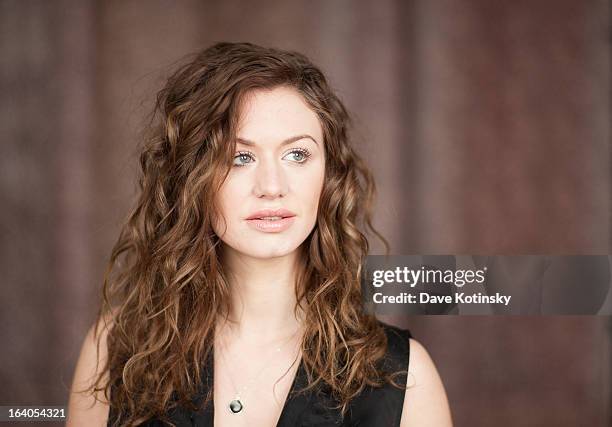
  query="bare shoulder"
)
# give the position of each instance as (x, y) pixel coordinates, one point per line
(85, 408)
(425, 402)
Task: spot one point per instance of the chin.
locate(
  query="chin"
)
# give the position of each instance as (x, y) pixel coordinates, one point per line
(265, 246)
(268, 251)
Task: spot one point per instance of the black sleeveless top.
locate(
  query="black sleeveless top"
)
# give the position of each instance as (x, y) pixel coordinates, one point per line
(374, 407)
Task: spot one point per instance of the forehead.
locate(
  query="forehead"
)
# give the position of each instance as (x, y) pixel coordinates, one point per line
(271, 115)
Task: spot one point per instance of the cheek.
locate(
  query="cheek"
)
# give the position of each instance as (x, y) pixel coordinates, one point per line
(311, 188)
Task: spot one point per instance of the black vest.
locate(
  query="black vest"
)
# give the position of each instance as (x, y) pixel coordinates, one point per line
(374, 407)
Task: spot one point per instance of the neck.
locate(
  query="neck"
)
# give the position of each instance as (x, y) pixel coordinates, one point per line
(262, 296)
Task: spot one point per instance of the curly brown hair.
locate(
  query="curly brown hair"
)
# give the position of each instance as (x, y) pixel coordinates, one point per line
(165, 285)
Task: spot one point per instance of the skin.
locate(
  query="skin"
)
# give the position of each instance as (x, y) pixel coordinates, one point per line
(262, 270)
(425, 402)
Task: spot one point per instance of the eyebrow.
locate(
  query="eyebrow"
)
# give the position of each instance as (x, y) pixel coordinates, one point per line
(285, 142)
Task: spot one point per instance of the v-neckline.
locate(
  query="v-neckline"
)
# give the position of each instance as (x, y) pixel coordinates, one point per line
(292, 407)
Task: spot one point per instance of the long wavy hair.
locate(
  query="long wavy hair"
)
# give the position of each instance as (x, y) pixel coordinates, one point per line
(165, 285)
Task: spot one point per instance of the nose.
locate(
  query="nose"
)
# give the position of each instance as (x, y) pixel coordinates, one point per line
(270, 180)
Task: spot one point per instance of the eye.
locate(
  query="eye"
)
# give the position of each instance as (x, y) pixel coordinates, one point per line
(298, 155)
(242, 158)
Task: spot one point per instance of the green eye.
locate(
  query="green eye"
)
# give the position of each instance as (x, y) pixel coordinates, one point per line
(242, 158)
(299, 155)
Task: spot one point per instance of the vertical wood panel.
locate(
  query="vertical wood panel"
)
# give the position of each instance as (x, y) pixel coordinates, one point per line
(27, 258)
(514, 127)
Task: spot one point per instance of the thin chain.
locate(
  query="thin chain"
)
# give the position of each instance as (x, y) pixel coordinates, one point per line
(266, 365)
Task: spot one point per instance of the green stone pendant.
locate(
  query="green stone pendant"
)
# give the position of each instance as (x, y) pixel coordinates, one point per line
(235, 406)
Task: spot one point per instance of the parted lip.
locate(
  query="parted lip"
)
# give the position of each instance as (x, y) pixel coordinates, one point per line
(284, 213)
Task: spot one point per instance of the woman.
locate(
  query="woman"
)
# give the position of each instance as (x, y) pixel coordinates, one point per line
(236, 299)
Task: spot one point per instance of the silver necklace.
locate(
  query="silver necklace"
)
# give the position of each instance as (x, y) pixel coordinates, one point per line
(236, 405)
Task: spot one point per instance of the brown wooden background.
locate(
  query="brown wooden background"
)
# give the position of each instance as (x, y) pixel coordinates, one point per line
(487, 125)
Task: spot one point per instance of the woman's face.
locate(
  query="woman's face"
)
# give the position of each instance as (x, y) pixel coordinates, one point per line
(271, 195)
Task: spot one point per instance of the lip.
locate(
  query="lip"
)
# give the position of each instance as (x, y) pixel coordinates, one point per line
(284, 213)
(271, 226)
